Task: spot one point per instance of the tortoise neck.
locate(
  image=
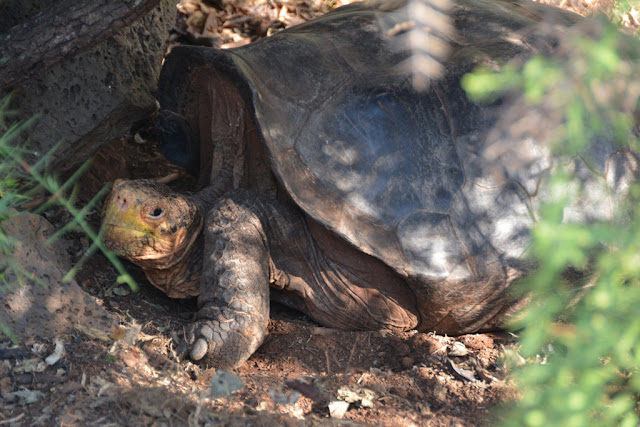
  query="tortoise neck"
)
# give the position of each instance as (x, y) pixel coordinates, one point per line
(208, 196)
(182, 278)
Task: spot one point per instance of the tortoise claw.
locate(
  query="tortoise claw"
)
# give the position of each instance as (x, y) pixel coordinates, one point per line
(199, 349)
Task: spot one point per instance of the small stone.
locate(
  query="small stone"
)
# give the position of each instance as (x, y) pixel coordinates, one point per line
(407, 362)
(199, 349)
(337, 409)
(121, 291)
(224, 383)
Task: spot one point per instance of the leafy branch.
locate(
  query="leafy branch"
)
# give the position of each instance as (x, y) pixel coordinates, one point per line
(586, 335)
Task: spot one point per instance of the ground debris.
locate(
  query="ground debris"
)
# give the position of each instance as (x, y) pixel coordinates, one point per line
(54, 357)
(360, 396)
(92, 333)
(337, 409)
(461, 373)
(24, 397)
(229, 24)
(35, 364)
(458, 349)
(12, 353)
(139, 383)
(224, 383)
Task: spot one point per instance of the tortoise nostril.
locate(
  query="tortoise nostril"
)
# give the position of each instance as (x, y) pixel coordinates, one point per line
(121, 201)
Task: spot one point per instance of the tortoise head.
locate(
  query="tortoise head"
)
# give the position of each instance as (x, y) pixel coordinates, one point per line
(148, 224)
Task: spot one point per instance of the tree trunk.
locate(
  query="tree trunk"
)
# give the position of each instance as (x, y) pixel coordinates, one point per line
(63, 31)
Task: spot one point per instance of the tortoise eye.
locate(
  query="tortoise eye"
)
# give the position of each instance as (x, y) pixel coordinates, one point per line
(157, 213)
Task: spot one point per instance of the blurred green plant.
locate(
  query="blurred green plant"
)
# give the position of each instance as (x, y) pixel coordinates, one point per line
(581, 340)
(21, 183)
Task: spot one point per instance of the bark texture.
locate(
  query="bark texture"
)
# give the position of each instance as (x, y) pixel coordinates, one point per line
(68, 28)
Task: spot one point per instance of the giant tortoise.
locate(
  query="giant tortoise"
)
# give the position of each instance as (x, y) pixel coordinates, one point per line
(332, 184)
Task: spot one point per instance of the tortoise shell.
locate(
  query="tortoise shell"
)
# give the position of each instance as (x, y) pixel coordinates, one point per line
(429, 182)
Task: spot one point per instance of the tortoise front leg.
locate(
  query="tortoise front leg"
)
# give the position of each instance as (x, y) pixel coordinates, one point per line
(231, 322)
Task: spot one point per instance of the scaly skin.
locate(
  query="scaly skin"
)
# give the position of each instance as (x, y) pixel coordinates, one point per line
(234, 301)
(231, 280)
(247, 245)
(146, 223)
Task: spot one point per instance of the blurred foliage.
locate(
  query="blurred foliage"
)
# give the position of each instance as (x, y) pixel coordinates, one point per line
(581, 338)
(21, 183)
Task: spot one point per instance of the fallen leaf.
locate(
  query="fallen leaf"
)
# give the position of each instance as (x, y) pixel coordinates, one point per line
(71, 387)
(25, 397)
(118, 334)
(131, 334)
(92, 333)
(463, 374)
(5, 387)
(30, 365)
(121, 291)
(458, 350)
(13, 353)
(483, 374)
(53, 358)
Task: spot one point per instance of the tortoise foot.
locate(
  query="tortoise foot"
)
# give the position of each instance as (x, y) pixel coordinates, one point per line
(234, 292)
(215, 343)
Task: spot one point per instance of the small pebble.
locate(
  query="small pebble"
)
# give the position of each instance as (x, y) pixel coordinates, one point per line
(407, 362)
(337, 409)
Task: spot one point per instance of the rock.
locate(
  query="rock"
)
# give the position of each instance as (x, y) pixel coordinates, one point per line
(98, 95)
(407, 362)
(44, 307)
(337, 409)
(224, 383)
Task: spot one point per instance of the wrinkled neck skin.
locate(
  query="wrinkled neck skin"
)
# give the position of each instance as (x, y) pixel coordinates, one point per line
(181, 277)
(206, 198)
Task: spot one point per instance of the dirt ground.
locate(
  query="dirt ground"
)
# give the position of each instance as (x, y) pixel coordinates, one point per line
(303, 374)
(298, 376)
